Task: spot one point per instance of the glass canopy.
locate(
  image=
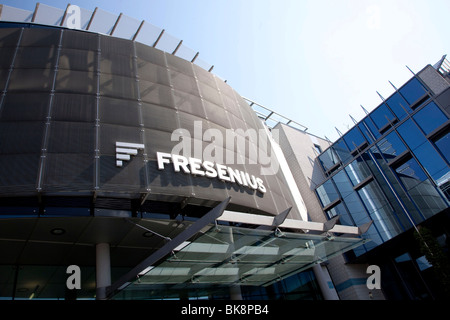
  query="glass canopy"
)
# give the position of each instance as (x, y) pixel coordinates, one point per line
(228, 256)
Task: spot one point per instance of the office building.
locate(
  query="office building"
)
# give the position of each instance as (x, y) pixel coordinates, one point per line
(123, 155)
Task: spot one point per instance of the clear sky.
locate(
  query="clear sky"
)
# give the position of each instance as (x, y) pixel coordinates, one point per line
(314, 61)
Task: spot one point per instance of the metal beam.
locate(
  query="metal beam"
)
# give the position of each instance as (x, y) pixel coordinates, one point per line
(159, 38)
(138, 30)
(92, 18)
(279, 219)
(178, 47)
(64, 15)
(208, 218)
(35, 11)
(115, 24)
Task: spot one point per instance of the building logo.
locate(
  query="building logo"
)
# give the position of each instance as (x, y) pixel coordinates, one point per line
(125, 150)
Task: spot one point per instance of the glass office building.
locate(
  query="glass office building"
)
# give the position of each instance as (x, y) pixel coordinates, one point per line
(392, 168)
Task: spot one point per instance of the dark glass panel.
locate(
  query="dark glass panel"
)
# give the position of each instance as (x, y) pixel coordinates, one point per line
(381, 116)
(420, 188)
(412, 91)
(80, 40)
(6, 57)
(342, 151)
(384, 175)
(357, 171)
(81, 60)
(118, 111)
(71, 137)
(40, 37)
(118, 86)
(73, 81)
(430, 117)
(380, 211)
(428, 157)
(9, 37)
(35, 58)
(152, 72)
(74, 107)
(372, 128)
(327, 193)
(116, 64)
(31, 80)
(443, 144)
(328, 159)
(366, 132)
(398, 105)
(21, 137)
(354, 138)
(391, 146)
(25, 107)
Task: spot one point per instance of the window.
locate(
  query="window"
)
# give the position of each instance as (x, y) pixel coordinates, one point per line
(412, 91)
(357, 171)
(430, 118)
(342, 151)
(382, 116)
(327, 193)
(380, 211)
(398, 105)
(428, 157)
(420, 188)
(391, 146)
(329, 160)
(354, 139)
(373, 130)
(443, 144)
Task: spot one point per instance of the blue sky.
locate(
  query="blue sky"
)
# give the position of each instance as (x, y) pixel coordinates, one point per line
(313, 61)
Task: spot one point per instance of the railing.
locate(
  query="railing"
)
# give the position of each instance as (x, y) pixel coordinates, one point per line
(101, 21)
(443, 66)
(272, 118)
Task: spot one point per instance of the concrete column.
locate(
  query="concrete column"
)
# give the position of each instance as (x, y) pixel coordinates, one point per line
(102, 270)
(235, 292)
(323, 279)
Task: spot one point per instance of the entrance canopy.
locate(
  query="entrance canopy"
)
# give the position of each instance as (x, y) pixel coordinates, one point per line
(228, 255)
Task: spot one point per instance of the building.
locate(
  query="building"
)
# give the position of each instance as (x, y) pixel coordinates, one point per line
(141, 173)
(392, 168)
(123, 155)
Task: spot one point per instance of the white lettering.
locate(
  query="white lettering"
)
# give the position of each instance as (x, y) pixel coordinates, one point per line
(209, 169)
(163, 158)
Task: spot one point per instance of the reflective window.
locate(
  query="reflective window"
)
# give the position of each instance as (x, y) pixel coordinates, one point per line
(381, 116)
(430, 117)
(327, 193)
(351, 199)
(391, 146)
(420, 188)
(342, 151)
(366, 132)
(443, 144)
(423, 150)
(357, 171)
(375, 133)
(339, 210)
(412, 91)
(377, 165)
(354, 138)
(398, 105)
(328, 159)
(380, 211)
